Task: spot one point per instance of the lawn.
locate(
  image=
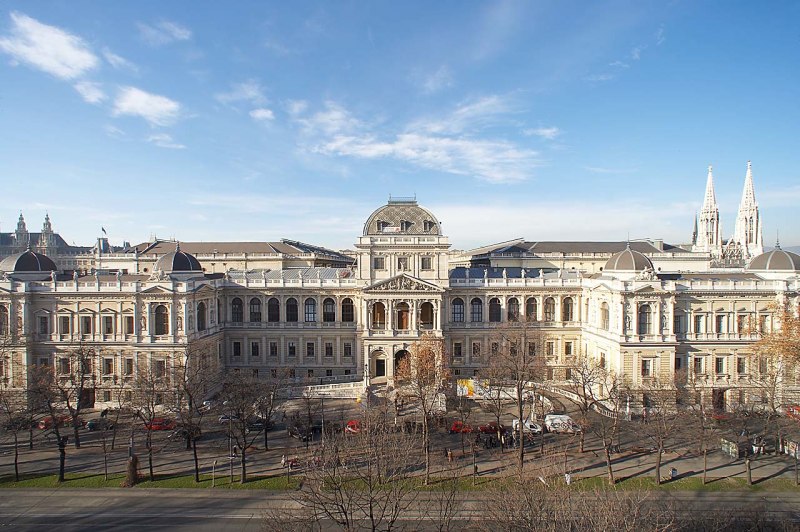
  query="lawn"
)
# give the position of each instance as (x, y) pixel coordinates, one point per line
(182, 481)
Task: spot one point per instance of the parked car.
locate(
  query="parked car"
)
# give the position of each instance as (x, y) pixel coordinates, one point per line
(492, 428)
(527, 426)
(64, 420)
(228, 418)
(183, 433)
(353, 426)
(561, 424)
(459, 427)
(301, 433)
(257, 424)
(99, 423)
(160, 423)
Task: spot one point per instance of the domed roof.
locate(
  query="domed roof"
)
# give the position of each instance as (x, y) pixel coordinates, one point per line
(628, 260)
(402, 216)
(28, 261)
(178, 261)
(776, 260)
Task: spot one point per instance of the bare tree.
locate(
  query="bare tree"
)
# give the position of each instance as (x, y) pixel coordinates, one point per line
(514, 369)
(150, 390)
(16, 418)
(75, 378)
(240, 395)
(423, 377)
(45, 395)
(660, 416)
(269, 396)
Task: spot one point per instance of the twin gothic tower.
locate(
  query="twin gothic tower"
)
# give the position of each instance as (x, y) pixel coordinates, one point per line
(747, 241)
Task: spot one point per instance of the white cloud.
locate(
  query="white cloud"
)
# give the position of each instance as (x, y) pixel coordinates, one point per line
(113, 131)
(495, 161)
(548, 133)
(441, 79)
(157, 110)
(296, 107)
(660, 37)
(163, 32)
(471, 115)
(48, 48)
(262, 114)
(636, 53)
(600, 77)
(333, 120)
(249, 91)
(90, 91)
(118, 62)
(163, 140)
(619, 64)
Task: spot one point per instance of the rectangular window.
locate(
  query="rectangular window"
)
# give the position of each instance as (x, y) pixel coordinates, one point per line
(310, 373)
(762, 323)
(741, 323)
(762, 365)
(740, 366)
(254, 349)
(63, 366)
(255, 372)
(347, 372)
(44, 361)
(86, 325)
(698, 323)
(237, 349)
(678, 363)
(457, 350)
(568, 348)
(402, 263)
(348, 349)
(678, 324)
(273, 373)
(292, 349)
(721, 324)
(646, 368)
(719, 366)
(108, 325)
(128, 367)
(378, 263)
(568, 374)
(309, 349)
(65, 325)
(427, 263)
(129, 325)
(273, 349)
(698, 366)
(476, 349)
(328, 349)
(531, 349)
(108, 366)
(106, 396)
(495, 348)
(550, 349)
(457, 372)
(329, 373)
(160, 368)
(44, 325)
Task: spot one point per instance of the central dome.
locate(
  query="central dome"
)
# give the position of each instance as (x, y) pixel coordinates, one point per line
(628, 260)
(402, 216)
(28, 261)
(178, 261)
(776, 260)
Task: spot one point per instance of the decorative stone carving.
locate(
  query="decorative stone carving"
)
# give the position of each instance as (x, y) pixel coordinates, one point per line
(399, 284)
(646, 275)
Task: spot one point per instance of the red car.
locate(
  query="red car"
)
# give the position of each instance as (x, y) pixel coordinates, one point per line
(353, 427)
(63, 421)
(160, 423)
(459, 427)
(492, 428)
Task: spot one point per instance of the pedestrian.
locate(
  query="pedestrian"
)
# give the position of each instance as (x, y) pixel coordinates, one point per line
(235, 450)
(283, 460)
(283, 417)
(449, 456)
(510, 440)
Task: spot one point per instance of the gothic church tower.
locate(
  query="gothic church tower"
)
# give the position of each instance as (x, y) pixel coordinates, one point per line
(747, 236)
(708, 237)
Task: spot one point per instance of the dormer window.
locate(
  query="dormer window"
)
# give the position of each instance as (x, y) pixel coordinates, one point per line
(405, 225)
(382, 225)
(427, 225)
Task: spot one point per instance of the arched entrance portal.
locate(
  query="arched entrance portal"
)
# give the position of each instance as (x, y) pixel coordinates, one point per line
(378, 364)
(399, 357)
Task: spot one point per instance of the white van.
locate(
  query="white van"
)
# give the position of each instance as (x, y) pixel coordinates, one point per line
(561, 424)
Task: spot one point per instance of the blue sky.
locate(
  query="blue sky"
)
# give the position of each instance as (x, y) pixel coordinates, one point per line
(268, 120)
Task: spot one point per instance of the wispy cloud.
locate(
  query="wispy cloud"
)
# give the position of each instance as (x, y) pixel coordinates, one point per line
(470, 115)
(118, 62)
(47, 48)
(249, 91)
(157, 110)
(334, 119)
(90, 91)
(549, 133)
(262, 114)
(599, 77)
(163, 140)
(439, 80)
(619, 64)
(636, 52)
(660, 36)
(163, 32)
(113, 131)
(296, 107)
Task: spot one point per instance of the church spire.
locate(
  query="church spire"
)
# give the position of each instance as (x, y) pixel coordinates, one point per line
(709, 238)
(748, 234)
(710, 200)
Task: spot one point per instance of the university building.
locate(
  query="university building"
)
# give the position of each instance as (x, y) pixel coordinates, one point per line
(646, 310)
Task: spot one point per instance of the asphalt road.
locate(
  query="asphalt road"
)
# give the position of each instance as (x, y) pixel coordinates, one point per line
(221, 510)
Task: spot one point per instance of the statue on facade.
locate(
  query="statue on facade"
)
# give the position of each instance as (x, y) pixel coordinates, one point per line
(119, 275)
(180, 322)
(523, 272)
(505, 276)
(75, 275)
(53, 276)
(485, 274)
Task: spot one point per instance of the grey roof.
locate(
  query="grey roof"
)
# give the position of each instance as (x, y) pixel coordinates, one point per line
(521, 246)
(510, 273)
(292, 274)
(387, 219)
(776, 260)
(287, 247)
(709, 276)
(28, 261)
(628, 260)
(178, 261)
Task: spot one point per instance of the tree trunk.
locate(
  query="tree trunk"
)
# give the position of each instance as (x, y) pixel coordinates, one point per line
(105, 457)
(658, 466)
(609, 469)
(75, 433)
(426, 443)
(520, 434)
(244, 463)
(266, 438)
(583, 436)
(30, 437)
(749, 471)
(62, 458)
(705, 465)
(150, 456)
(16, 458)
(196, 463)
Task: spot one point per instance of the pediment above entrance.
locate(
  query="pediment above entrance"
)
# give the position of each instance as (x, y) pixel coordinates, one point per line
(157, 290)
(403, 283)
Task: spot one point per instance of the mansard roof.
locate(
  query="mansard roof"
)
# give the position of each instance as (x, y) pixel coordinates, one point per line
(285, 246)
(521, 246)
(628, 260)
(390, 218)
(776, 260)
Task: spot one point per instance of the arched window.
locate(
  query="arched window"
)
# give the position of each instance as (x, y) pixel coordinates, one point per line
(604, 316)
(348, 310)
(328, 310)
(494, 310)
(3, 320)
(567, 312)
(291, 310)
(645, 322)
(201, 316)
(426, 316)
(237, 310)
(513, 309)
(378, 316)
(273, 310)
(403, 317)
(458, 310)
(549, 309)
(476, 310)
(310, 310)
(531, 310)
(162, 320)
(255, 310)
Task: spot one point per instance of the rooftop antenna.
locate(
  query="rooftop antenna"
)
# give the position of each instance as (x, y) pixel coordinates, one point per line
(777, 239)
